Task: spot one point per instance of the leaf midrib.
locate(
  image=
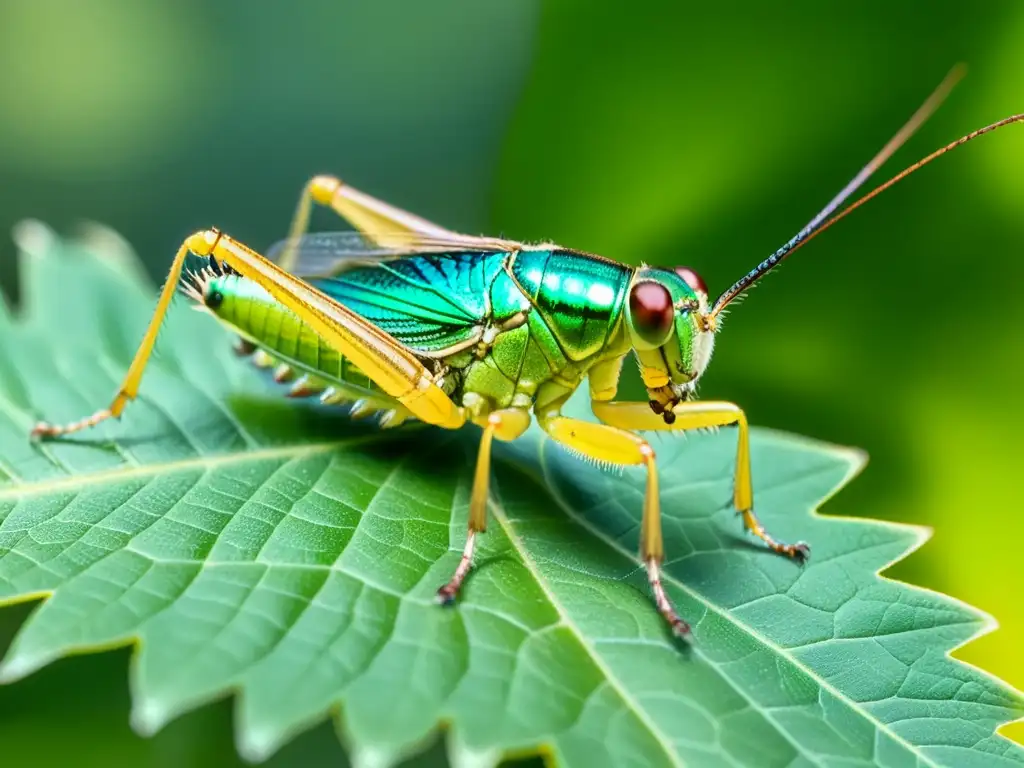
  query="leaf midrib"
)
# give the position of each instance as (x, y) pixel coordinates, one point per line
(728, 616)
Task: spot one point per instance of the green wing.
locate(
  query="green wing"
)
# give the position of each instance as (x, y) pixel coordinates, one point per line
(432, 298)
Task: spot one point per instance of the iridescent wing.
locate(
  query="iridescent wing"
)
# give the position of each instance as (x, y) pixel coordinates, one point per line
(327, 254)
(432, 295)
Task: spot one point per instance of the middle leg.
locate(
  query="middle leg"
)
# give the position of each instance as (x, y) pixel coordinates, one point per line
(621, 446)
(507, 424)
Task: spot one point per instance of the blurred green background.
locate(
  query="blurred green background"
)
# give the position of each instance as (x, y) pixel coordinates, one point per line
(670, 133)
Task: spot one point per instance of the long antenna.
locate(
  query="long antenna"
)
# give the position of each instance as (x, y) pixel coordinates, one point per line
(821, 222)
(907, 171)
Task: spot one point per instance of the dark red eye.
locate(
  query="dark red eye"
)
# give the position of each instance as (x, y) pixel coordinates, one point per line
(651, 312)
(695, 281)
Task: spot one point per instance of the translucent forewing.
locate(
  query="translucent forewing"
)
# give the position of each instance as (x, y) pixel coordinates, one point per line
(433, 296)
(327, 254)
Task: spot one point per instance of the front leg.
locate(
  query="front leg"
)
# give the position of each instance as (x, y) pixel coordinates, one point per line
(702, 414)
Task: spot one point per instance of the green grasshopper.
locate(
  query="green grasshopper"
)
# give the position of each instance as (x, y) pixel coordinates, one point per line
(416, 321)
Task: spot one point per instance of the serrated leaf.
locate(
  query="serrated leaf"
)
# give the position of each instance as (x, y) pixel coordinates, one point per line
(280, 551)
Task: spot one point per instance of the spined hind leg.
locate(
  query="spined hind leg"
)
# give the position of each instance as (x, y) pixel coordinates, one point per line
(506, 425)
(391, 366)
(381, 223)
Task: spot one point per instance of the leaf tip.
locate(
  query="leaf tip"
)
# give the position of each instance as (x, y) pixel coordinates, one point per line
(858, 457)
(32, 237)
(461, 756)
(255, 745)
(20, 666)
(373, 757)
(148, 715)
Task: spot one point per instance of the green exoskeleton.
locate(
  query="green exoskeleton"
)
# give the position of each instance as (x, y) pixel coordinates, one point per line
(415, 321)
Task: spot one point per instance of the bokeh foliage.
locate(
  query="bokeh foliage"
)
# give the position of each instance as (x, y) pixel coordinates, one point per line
(669, 133)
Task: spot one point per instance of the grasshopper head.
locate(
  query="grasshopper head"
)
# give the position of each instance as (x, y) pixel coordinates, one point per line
(668, 324)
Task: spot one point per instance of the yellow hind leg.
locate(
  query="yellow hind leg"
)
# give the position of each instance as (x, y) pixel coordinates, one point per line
(381, 223)
(391, 366)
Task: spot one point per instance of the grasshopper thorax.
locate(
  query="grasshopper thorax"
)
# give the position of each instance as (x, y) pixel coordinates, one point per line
(667, 322)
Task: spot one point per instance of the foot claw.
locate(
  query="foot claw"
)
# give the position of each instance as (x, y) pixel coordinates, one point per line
(801, 552)
(679, 627)
(41, 430)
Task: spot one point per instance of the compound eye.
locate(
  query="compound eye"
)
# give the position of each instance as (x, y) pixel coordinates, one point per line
(651, 312)
(695, 281)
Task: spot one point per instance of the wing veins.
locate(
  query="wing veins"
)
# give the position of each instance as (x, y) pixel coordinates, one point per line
(426, 285)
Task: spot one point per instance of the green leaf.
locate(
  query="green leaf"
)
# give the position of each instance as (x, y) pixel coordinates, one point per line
(275, 549)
